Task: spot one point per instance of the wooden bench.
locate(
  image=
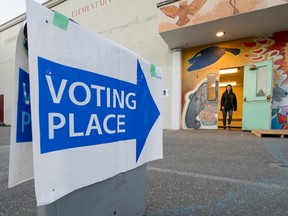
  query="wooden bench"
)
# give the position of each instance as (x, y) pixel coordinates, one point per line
(270, 133)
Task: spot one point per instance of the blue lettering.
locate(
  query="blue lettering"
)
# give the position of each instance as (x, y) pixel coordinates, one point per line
(23, 125)
(26, 120)
(79, 108)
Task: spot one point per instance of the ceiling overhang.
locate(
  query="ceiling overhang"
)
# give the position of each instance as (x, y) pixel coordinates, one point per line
(259, 22)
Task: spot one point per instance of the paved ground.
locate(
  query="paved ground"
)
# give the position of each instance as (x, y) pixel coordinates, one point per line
(219, 172)
(203, 172)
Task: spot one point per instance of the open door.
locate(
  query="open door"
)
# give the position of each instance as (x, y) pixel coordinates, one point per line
(235, 77)
(257, 96)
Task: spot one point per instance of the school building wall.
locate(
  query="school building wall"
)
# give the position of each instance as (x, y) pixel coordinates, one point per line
(131, 23)
(7, 54)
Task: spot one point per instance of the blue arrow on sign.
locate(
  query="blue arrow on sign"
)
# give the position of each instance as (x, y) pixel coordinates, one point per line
(80, 108)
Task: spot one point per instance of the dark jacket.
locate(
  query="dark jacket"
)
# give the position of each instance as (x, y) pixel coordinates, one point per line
(233, 101)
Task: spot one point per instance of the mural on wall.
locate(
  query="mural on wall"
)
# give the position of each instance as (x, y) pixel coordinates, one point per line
(274, 47)
(183, 10)
(209, 56)
(185, 13)
(233, 4)
(199, 111)
(200, 61)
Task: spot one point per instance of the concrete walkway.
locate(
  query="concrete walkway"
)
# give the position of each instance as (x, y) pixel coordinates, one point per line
(204, 172)
(219, 172)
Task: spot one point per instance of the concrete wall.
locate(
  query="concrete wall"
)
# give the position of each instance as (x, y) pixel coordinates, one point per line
(131, 23)
(7, 55)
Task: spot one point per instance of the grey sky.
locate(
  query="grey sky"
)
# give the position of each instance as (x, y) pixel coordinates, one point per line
(10, 9)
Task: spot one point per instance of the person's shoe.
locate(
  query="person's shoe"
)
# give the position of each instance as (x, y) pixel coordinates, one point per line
(228, 128)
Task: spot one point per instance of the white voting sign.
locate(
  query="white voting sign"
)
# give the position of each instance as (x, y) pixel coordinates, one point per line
(95, 105)
(21, 158)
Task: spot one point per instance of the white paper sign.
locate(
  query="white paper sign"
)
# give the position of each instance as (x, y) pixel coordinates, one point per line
(95, 106)
(21, 159)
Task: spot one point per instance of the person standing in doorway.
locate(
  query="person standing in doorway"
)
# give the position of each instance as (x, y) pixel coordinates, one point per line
(228, 105)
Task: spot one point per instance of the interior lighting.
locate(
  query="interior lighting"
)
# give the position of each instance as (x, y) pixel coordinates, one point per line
(226, 83)
(220, 34)
(228, 71)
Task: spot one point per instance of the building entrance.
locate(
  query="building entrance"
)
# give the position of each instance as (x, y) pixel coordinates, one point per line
(1, 108)
(234, 77)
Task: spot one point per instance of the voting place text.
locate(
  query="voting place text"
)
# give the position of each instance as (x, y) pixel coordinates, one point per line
(81, 108)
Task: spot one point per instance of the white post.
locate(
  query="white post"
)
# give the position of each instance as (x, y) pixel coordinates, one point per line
(176, 92)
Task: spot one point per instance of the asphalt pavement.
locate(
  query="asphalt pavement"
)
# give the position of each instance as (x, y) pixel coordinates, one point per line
(204, 172)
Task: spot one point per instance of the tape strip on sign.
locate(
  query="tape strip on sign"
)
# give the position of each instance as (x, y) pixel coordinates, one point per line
(61, 21)
(152, 70)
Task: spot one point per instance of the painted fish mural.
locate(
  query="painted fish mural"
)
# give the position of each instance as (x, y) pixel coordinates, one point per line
(209, 56)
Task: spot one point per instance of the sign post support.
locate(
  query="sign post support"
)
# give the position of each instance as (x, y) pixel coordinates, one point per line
(123, 194)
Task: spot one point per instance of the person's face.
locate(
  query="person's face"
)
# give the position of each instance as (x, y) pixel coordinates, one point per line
(228, 88)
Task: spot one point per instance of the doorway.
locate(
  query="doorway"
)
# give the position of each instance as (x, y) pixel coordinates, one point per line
(1, 108)
(235, 77)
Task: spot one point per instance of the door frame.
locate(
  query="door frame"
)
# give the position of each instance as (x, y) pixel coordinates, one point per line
(239, 96)
(1, 108)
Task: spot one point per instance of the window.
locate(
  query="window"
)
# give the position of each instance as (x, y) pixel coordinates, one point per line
(261, 81)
